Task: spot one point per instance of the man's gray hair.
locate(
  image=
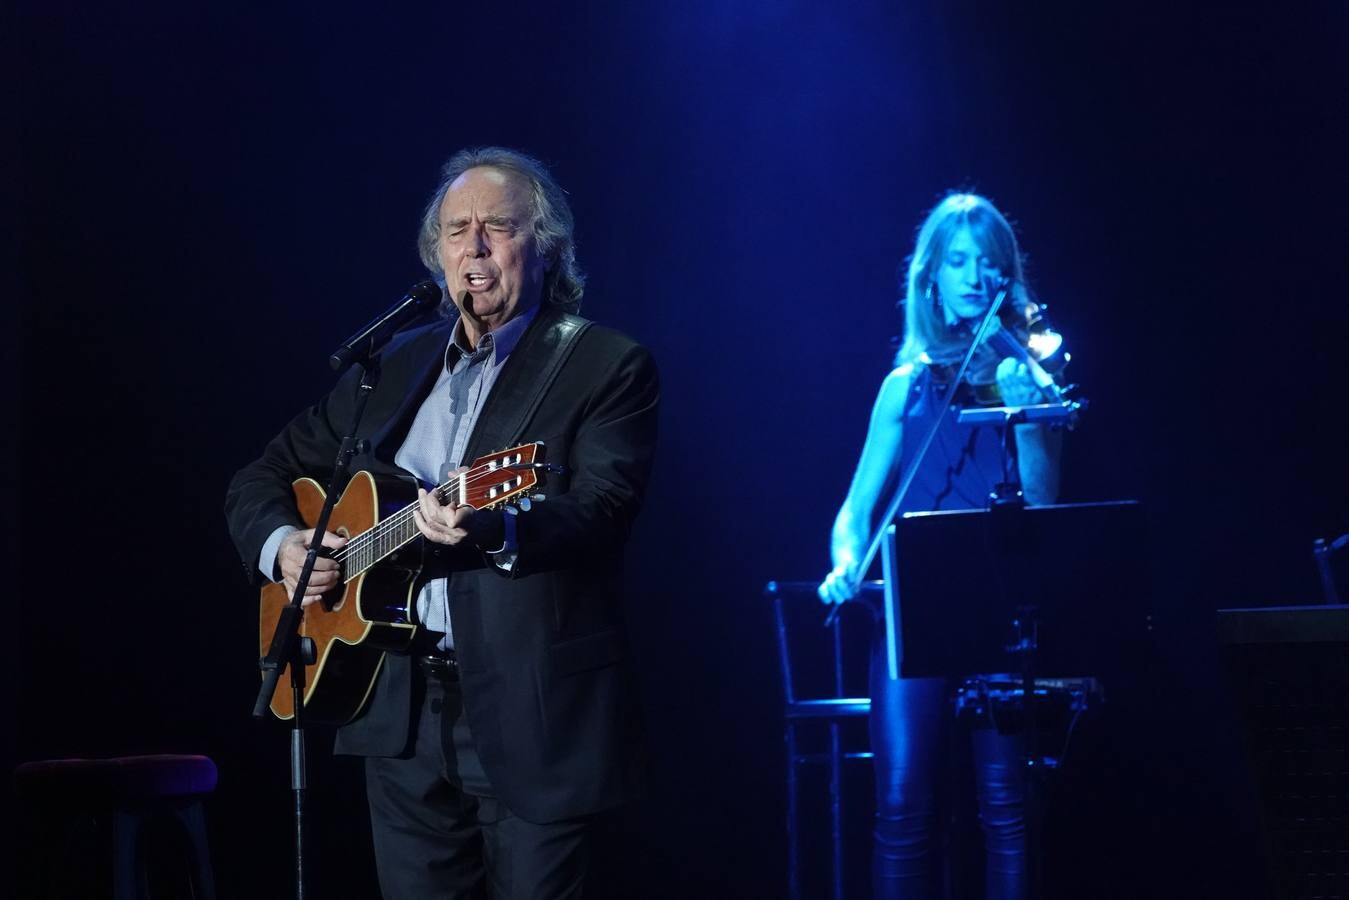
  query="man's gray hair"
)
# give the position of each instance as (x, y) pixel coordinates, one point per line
(554, 227)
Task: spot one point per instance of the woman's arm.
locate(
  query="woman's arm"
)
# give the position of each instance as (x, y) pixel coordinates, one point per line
(852, 526)
(1038, 447)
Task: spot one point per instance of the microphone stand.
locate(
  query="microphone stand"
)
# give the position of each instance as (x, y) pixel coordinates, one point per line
(288, 646)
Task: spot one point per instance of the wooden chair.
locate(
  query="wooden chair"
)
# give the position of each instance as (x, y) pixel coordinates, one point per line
(827, 705)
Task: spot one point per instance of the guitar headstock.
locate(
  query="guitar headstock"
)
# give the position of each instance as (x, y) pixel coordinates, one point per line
(500, 477)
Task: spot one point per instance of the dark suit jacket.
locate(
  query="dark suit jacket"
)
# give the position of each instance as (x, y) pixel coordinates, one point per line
(543, 654)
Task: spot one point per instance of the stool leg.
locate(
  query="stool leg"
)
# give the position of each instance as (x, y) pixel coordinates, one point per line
(128, 869)
(193, 819)
(39, 858)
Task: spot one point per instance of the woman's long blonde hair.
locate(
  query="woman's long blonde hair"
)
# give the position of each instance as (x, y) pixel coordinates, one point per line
(925, 330)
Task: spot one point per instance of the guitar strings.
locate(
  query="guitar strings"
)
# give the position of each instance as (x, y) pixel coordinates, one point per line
(368, 547)
(365, 545)
(405, 516)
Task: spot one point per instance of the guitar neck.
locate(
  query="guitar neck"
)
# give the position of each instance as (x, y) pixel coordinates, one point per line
(390, 534)
(491, 480)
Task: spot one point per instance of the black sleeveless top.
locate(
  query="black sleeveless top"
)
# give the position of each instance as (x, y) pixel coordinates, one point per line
(963, 463)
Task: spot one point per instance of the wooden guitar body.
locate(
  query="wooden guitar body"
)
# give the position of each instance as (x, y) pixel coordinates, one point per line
(373, 612)
(371, 615)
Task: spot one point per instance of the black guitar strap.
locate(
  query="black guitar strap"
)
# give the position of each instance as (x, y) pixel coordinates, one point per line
(530, 372)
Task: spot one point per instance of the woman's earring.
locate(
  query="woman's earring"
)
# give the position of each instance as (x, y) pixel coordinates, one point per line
(947, 315)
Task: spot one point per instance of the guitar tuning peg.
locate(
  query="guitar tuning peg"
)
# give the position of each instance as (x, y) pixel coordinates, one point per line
(539, 498)
(523, 503)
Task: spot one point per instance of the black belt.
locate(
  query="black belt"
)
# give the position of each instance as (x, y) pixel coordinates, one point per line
(442, 664)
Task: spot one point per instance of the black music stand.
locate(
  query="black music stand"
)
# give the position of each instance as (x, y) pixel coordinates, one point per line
(1078, 571)
(1058, 590)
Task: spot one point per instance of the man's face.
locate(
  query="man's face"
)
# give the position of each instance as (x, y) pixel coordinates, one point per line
(487, 247)
(963, 276)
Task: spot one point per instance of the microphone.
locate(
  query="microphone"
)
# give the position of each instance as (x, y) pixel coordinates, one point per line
(466, 306)
(371, 339)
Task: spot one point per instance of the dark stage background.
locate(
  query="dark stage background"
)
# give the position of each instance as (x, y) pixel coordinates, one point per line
(209, 197)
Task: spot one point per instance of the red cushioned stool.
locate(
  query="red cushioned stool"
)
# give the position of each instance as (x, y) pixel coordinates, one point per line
(133, 797)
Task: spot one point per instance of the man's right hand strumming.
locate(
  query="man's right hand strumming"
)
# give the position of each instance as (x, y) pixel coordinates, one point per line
(327, 572)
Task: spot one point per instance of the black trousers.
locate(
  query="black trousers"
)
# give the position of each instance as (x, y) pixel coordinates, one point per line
(440, 832)
(910, 739)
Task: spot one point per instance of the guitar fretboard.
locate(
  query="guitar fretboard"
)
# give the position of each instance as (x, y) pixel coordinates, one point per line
(372, 545)
(491, 480)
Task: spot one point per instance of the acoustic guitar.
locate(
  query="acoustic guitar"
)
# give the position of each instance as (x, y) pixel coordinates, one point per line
(373, 610)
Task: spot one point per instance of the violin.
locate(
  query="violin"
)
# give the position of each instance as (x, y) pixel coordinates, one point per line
(1023, 333)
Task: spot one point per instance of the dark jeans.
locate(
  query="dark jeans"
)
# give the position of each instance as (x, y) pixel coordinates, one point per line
(910, 737)
(440, 832)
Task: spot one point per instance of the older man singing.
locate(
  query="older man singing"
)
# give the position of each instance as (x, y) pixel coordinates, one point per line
(512, 722)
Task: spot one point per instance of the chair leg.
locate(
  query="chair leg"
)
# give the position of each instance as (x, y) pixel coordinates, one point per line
(835, 809)
(793, 835)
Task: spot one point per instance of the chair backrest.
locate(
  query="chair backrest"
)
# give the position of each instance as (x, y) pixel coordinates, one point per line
(1322, 551)
(819, 663)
